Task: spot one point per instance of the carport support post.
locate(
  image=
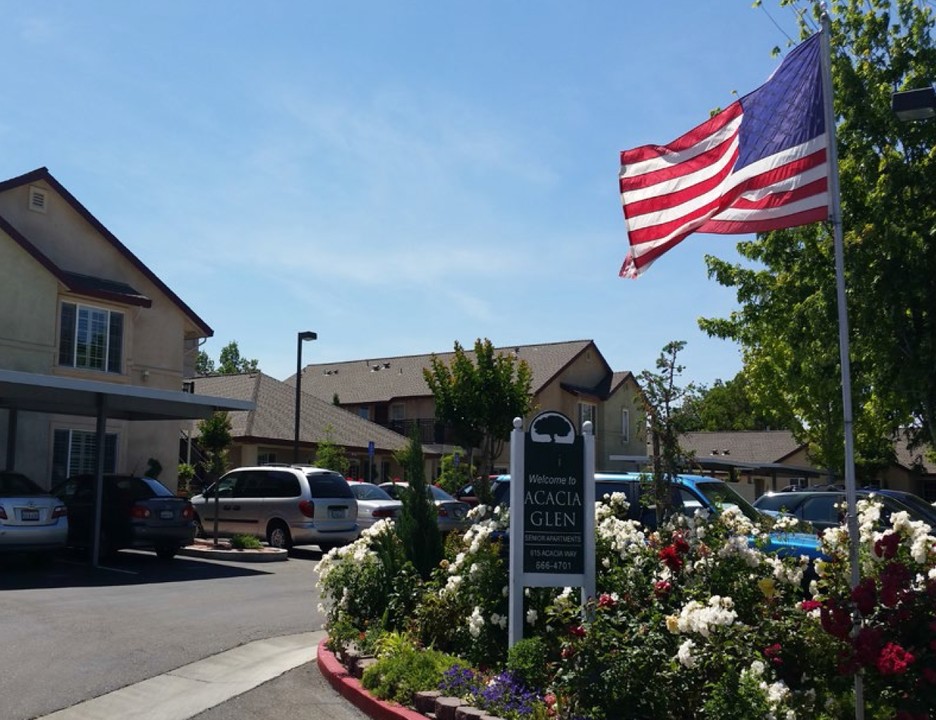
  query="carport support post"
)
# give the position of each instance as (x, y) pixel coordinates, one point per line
(99, 477)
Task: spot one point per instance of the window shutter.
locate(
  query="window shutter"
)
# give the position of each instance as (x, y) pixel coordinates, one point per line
(115, 343)
(67, 335)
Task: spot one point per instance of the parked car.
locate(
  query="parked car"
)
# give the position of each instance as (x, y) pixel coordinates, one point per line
(825, 508)
(467, 493)
(285, 505)
(373, 503)
(452, 513)
(689, 494)
(136, 512)
(31, 520)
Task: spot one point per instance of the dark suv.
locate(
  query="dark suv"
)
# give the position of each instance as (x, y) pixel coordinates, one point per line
(824, 508)
(135, 512)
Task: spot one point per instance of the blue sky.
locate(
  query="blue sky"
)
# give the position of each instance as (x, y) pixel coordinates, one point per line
(395, 176)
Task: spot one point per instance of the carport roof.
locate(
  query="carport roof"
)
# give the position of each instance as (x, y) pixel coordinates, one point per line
(33, 392)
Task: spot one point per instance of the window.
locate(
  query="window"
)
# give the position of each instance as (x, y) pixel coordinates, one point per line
(73, 453)
(364, 412)
(91, 338)
(625, 426)
(587, 412)
(265, 458)
(397, 411)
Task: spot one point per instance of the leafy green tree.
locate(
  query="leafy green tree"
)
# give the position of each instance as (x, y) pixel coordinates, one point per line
(418, 524)
(729, 405)
(453, 476)
(662, 400)
(231, 362)
(330, 455)
(787, 325)
(479, 398)
(204, 365)
(214, 438)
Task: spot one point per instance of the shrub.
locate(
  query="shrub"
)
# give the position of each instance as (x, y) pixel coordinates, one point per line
(403, 669)
(245, 542)
(528, 661)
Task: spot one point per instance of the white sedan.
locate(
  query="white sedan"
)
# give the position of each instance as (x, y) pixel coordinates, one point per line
(373, 504)
(31, 520)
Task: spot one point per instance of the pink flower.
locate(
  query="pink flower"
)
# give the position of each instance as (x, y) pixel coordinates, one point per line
(662, 588)
(606, 601)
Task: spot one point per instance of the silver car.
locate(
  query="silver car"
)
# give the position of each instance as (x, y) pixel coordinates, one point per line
(452, 513)
(285, 505)
(374, 503)
(31, 520)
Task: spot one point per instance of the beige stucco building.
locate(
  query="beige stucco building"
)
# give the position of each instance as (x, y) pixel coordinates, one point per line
(77, 303)
(568, 377)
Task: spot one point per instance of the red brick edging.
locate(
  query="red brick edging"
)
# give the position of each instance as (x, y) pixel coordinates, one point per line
(350, 688)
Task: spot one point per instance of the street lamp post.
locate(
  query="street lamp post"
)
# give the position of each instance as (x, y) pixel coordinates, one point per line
(919, 104)
(302, 337)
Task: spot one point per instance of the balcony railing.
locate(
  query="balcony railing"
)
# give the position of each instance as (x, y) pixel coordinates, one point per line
(429, 430)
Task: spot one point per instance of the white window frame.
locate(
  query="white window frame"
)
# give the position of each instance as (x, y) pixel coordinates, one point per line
(80, 457)
(90, 320)
(587, 411)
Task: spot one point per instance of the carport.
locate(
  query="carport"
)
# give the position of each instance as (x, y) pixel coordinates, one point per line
(31, 392)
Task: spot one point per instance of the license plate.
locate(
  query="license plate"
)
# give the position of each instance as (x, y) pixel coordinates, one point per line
(29, 515)
(166, 514)
(337, 513)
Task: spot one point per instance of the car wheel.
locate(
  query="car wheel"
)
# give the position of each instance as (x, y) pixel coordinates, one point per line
(278, 535)
(166, 552)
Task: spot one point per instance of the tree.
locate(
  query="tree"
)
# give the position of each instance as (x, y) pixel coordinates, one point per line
(230, 362)
(729, 405)
(214, 438)
(479, 399)
(330, 455)
(454, 475)
(787, 325)
(662, 400)
(418, 524)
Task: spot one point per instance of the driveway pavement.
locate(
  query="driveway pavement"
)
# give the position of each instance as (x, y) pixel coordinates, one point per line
(262, 680)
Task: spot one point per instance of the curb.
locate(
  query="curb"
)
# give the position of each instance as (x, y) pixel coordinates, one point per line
(351, 690)
(255, 556)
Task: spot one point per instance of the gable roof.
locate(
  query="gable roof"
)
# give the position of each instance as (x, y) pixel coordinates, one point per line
(388, 378)
(273, 416)
(766, 446)
(84, 284)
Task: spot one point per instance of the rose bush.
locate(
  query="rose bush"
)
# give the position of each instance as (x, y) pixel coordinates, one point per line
(691, 620)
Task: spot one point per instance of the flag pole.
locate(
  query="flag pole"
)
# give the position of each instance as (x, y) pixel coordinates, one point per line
(835, 217)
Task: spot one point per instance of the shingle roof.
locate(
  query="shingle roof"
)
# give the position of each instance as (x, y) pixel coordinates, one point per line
(913, 459)
(274, 416)
(767, 446)
(385, 379)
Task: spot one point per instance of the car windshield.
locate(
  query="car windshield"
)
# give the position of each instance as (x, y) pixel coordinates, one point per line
(722, 496)
(16, 485)
(918, 505)
(366, 491)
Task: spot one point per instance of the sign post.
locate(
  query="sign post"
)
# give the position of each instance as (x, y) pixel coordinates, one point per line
(552, 510)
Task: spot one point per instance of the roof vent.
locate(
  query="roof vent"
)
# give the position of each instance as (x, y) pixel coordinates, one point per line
(386, 365)
(37, 199)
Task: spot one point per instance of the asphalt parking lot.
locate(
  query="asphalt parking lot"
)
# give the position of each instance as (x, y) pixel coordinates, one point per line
(72, 632)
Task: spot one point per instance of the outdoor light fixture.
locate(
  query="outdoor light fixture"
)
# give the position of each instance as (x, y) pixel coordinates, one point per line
(917, 104)
(302, 337)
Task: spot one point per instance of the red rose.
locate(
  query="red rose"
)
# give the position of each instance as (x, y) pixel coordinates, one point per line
(772, 653)
(662, 588)
(868, 646)
(808, 605)
(887, 546)
(679, 542)
(670, 557)
(895, 582)
(835, 620)
(894, 660)
(606, 601)
(577, 631)
(865, 596)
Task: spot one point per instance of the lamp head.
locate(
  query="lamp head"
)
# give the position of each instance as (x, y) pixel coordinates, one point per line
(307, 335)
(917, 104)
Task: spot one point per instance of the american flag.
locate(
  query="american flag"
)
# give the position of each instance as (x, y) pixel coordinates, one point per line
(760, 164)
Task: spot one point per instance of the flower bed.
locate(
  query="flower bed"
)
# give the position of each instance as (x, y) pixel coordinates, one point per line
(689, 620)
